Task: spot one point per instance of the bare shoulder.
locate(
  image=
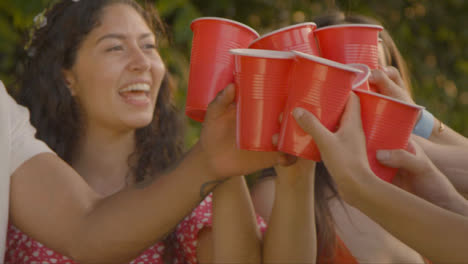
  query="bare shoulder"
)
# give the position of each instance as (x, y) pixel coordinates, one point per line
(48, 198)
(47, 173)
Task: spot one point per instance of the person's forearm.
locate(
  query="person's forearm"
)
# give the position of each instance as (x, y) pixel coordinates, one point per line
(459, 205)
(291, 235)
(415, 222)
(138, 217)
(450, 160)
(457, 176)
(236, 237)
(443, 134)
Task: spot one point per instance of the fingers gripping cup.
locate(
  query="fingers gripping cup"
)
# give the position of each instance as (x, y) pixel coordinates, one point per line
(298, 37)
(350, 43)
(362, 79)
(211, 64)
(320, 86)
(261, 78)
(387, 124)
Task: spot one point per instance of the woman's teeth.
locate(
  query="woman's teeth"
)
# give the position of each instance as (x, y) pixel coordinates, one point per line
(136, 93)
(139, 87)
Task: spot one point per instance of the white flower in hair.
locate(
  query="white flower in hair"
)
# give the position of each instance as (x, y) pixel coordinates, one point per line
(40, 20)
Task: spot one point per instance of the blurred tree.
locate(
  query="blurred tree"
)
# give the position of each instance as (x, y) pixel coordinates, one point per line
(431, 36)
(15, 18)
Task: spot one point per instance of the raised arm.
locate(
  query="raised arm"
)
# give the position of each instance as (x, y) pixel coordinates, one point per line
(419, 176)
(236, 236)
(416, 222)
(445, 147)
(53, 204)
(450, 160)
(291, 235)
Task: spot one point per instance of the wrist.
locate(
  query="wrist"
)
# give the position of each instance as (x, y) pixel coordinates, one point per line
(360, 190)
(295, 184)
(210, 177)
(300, 173)
(204, 161)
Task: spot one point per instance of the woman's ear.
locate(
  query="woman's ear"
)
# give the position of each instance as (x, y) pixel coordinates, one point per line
(70, 82)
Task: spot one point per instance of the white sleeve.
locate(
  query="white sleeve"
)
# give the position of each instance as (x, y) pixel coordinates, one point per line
(24, 145)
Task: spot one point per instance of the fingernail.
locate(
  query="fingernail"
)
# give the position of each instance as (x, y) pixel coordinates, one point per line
(383, 155)
(298, 112)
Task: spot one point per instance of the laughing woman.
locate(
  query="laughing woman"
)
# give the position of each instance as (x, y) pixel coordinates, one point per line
(98, 94)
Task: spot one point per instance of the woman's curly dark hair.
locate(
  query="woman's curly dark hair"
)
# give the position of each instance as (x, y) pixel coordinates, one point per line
(56, 114)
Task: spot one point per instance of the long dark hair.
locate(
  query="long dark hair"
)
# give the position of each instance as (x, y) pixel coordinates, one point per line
(56, 114)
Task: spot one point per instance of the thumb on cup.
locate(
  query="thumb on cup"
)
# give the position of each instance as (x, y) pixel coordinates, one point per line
(311, 125)
(396, 158)
(221, 103)
(401, 159)
(413, 159)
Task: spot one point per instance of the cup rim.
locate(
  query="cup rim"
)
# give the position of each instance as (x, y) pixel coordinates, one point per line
(283, 29)
(261, 53)
(390, 98)
(326, 61)
(367, 71)
(350, 25)
(226, 20)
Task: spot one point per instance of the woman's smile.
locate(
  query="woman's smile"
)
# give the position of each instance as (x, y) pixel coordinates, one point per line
(137, 94)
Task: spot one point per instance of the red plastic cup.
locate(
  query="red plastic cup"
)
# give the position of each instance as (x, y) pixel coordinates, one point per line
(350, 43)
(298, 37)
(320, 86)
(261, 78)
(387, 124)
(211, 64)
(362, 79)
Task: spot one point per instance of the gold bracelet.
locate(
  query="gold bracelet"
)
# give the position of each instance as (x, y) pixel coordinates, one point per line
(441, 127)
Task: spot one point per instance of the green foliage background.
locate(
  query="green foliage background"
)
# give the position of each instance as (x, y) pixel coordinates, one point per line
(431, 35)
